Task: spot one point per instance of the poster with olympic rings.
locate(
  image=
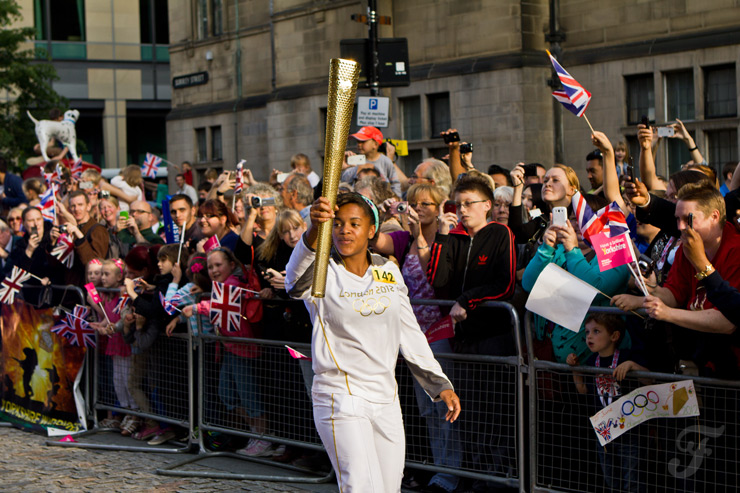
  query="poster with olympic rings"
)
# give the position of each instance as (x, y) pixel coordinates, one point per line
(668, 400)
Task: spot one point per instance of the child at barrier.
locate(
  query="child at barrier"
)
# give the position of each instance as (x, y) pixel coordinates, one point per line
(116, 349)
(143, 331)
(196, 274)
(237, 387)
(620, 463)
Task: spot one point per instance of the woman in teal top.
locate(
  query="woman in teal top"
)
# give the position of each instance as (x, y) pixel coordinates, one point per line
(564, 246)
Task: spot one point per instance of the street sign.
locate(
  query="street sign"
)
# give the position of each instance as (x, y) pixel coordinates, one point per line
(372, 111)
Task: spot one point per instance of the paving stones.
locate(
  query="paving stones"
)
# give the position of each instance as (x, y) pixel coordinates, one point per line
(27, 464)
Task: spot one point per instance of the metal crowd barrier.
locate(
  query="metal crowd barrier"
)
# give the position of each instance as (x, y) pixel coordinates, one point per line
(161, 378)
(659, 455)
(486, 443)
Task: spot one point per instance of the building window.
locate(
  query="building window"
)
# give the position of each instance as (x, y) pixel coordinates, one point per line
(720, 97)
(60, 20)
(640, 98)
(202, 145)
(411, 115)
(439, 113)
(217, 14)
(202, 18)
(722, 147)
(153, 15)
(679, 95)
(216, 147)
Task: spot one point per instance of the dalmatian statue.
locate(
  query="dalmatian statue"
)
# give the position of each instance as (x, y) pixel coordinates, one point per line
(63, 131)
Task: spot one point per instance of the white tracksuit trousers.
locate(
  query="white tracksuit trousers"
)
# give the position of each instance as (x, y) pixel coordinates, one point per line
(365, 441)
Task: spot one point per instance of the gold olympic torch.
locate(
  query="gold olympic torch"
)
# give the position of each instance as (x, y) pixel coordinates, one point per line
(343, 77)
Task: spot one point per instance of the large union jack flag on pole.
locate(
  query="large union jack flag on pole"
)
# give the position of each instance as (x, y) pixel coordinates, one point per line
(573, 96)
(226, 306)
(610, 220)
(47, 203)
(151, 165)
(12, 284)
(75, 328)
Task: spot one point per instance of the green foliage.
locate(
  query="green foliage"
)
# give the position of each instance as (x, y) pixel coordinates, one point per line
(28, 82)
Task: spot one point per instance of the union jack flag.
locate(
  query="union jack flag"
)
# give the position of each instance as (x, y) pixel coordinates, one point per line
(12, 284)
(150, 166)
(75, 328)
(239, 178)
(123, 301)
(55, 177)
(77, 169)
(64, 250)
(573, 96)
(610, 220)
(226, 306)
(47, 203)
(168, 306)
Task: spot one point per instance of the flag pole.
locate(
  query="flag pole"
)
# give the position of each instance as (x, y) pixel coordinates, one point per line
(589, 123)
(182, 239)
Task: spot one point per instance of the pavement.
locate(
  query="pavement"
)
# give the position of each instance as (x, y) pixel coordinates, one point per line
(28, 464)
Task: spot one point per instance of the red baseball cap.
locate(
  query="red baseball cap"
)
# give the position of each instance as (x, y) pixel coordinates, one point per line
(367, 133)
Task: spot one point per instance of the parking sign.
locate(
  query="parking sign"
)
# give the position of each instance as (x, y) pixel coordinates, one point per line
(372, 111)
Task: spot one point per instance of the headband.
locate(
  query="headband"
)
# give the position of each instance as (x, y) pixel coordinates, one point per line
(119, 264)
(95, 261)
(374, 209)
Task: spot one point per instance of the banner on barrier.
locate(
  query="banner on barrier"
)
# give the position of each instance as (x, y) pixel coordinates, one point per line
(668, 400)
(40, 371)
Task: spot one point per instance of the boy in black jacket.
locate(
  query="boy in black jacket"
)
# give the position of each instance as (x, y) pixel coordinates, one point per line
(472, 261)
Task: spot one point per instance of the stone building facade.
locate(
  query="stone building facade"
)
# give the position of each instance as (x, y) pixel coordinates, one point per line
(477, 65)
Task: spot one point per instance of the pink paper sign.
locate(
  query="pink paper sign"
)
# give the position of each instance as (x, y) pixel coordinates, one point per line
(211, 243)
(612, 252)
(296, 354)
(93, 293)
(442, 329)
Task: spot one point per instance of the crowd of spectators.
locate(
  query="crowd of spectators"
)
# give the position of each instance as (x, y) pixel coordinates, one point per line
(457, 233)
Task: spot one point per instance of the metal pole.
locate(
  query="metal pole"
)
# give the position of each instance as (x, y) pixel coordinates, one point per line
(555, 36)
(372, 22)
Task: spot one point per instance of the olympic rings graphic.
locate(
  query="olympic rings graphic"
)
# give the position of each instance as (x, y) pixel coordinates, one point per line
(371, 306)
(643, 405)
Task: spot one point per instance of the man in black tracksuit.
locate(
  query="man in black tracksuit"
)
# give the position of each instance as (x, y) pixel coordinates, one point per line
(472, 261)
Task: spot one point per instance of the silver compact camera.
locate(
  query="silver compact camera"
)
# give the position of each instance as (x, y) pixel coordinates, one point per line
(262, 201)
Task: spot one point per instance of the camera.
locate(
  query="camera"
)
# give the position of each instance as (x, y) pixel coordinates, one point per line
(646, 265)
(451, 137)
(399, 207)
(63, 228)
(262, 202)
(466, 148)
(103, 194)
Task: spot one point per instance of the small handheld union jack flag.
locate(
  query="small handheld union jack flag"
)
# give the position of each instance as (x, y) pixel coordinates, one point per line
(610, 220)
(123, 300)
(168, 305)
(64, 251)
(151, 165)
(239, 186)
(573, 96)
(75, 328)
(226, 306)
(77, 169)
(55, 177)
(47, 203)
(12, 285)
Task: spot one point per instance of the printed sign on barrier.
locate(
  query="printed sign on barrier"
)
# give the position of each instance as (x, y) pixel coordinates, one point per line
(668, 400)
